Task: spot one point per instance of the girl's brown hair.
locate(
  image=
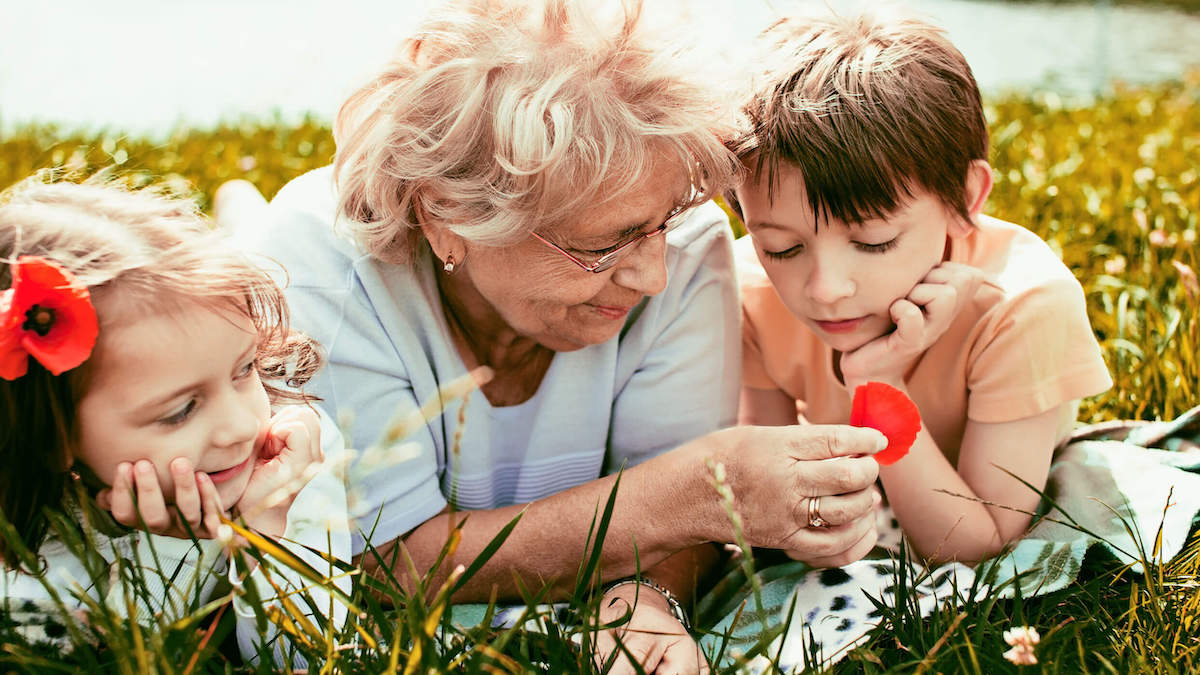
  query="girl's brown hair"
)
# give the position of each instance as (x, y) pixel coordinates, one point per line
(137, 251)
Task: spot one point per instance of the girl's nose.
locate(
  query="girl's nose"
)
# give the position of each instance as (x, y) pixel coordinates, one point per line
(238, 423)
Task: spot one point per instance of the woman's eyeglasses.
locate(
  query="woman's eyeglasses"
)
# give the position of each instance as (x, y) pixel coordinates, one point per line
(606, 261)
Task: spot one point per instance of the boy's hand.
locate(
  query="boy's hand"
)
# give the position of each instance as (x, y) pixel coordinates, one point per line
(136, 499)
(287, 460)
(921, 318)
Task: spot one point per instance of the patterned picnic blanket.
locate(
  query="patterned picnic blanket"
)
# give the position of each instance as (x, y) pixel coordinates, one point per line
(1117, 485)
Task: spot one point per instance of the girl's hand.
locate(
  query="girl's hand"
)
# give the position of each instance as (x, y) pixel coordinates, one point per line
(136, 499)
(921, 318)
(287, 460)
(652, 635)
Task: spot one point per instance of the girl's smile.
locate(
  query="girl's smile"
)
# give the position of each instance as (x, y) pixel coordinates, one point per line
(177, 382)
(223, 475)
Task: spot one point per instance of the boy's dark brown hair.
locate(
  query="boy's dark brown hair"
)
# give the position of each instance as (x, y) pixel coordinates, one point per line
(869, 107)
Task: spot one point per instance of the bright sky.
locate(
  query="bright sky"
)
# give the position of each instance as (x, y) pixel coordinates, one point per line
(144, 65)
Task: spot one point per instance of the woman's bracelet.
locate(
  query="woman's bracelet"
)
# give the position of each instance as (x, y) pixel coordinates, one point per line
(676, 607)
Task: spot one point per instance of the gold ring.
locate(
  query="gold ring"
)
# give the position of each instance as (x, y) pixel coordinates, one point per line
(814, 513)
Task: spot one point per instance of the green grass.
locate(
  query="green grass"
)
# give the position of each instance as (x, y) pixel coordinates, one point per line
(1114, 187)
(1192, 6)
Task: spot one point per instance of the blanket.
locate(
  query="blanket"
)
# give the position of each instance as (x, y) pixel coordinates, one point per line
(1117, 486)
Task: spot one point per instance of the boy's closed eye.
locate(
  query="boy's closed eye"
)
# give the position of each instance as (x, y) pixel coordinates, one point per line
(865, 247)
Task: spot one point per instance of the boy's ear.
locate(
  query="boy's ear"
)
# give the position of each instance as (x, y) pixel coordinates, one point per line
(978, 187)
(731, 200)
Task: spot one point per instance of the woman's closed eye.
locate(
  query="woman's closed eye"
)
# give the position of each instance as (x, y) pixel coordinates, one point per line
(598, 252)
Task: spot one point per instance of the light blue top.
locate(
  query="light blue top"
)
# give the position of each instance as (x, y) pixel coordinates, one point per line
(671, 375)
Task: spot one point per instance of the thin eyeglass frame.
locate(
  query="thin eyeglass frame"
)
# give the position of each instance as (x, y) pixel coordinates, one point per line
(606, 261)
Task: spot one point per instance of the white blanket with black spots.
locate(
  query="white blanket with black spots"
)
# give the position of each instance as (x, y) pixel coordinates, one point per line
(1108, 477)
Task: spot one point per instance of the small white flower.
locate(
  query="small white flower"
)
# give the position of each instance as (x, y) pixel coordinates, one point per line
(1022, 639)
(225, 535)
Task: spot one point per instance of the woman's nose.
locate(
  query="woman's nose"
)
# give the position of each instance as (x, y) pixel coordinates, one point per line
(644, 269)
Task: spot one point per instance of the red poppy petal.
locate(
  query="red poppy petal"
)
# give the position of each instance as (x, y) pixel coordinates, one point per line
(14, 360)
(886, 408)
(69, 342)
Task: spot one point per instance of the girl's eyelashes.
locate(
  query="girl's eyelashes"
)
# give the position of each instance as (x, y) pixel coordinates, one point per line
(245, 370)
(180, 416)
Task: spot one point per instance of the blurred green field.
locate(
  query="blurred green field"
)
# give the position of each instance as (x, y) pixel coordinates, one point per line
(1192, 6)
(1114, 187)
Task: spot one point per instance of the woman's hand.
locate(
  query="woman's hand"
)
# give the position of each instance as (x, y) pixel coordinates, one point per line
(136, 499)
(921, 318)
(652, 635)
(286, 462)
(773, 471)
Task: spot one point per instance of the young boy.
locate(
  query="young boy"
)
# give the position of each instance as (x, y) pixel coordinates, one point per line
(869, 260)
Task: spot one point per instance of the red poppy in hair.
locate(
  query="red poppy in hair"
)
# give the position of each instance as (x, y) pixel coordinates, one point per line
(887, 409)
(47, 314)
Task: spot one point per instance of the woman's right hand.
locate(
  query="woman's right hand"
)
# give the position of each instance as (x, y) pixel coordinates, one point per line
(774, 471)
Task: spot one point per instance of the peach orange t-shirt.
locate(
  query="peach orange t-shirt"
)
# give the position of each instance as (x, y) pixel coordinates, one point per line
(1021, 347)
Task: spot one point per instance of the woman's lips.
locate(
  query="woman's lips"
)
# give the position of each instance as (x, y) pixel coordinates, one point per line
(844, 326)
(610, 312)
(226, 474)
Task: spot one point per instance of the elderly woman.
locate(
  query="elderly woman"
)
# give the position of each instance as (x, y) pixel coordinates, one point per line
(525, 188)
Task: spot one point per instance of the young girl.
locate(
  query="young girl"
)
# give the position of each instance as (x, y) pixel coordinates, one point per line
(866, 152)
(143, 359)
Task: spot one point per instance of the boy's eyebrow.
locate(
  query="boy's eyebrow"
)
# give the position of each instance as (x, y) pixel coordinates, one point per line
(765, 225)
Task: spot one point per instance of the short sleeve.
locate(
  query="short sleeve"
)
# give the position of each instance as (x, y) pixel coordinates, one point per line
(1036, 351)
(365, 381)
(755, 289)
(684, 379)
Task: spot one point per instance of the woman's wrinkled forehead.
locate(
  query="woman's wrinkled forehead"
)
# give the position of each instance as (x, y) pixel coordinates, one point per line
(640, 204)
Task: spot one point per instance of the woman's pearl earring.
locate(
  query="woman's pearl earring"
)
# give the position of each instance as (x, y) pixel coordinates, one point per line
(449, 266)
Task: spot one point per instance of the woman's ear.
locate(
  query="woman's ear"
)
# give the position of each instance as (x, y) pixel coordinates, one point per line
(978, 187)
(445, 244)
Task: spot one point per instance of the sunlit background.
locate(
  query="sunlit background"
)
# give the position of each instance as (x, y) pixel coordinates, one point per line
(147, 65)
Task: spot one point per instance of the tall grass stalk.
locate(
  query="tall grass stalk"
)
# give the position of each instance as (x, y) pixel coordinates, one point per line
(1114, 187)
